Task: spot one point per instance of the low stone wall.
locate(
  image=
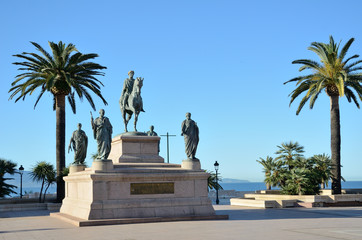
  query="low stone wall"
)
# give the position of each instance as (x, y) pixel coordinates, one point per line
(273, 199)
(52, 207)
(35, 199)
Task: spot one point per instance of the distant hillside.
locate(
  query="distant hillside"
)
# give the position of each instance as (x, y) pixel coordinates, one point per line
(232, 180)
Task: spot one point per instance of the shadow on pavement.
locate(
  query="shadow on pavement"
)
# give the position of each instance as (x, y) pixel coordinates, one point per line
(29, 230)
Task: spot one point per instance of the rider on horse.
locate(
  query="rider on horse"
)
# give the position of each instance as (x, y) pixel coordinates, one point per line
(127, 90)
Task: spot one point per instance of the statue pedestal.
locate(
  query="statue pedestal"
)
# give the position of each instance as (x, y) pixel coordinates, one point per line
(136, 184)
(135, 149)
(191, 164)
(102, 165)
(73, 168)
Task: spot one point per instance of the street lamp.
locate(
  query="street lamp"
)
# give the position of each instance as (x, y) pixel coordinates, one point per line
(21, 171)
(216, 165)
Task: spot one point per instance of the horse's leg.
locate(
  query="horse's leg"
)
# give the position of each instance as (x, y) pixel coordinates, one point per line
(135, 120)
(124, 119)
(129, 116)
(141, 104)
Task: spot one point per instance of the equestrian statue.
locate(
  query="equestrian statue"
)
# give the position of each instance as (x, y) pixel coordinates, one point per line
(131, 100)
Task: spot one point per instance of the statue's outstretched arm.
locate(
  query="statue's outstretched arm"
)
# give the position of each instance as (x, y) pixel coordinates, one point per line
(70, 144)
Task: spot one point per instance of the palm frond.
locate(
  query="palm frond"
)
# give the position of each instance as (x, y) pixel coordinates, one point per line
(351, 96)
(45, 53)
(71, 101)
(345, 48)
(61, 73)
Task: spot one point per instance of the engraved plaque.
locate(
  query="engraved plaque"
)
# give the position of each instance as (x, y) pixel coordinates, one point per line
(152, 188)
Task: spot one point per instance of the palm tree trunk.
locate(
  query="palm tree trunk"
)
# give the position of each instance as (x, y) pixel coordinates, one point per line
(267, 184)
(60, 144)
(41, 191)
(335, 145)
(45, 192)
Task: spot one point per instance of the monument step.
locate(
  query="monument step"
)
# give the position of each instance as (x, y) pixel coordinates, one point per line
(150, 170)
(146, 165)
(86, 223)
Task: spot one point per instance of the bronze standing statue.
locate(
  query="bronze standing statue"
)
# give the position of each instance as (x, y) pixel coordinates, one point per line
(190, 131)
(131, 100)
(152, 132)
(79, 143)
(102, 131)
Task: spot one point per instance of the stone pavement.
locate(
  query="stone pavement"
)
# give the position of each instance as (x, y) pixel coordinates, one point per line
(244, 223)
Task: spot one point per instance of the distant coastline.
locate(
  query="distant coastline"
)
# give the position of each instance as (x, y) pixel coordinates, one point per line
(233, 180)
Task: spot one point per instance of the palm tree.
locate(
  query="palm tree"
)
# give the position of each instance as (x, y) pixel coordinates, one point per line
(63, 74)
(269, 166)
(323, 166)
(6, 166)
(288, 153)
(337, 77)
(43, 172)
(50, 179)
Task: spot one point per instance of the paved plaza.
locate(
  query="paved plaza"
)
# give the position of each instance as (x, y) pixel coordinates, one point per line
(244, 223)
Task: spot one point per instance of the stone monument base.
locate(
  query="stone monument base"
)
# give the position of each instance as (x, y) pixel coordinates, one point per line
(136, 183)
(136, 190)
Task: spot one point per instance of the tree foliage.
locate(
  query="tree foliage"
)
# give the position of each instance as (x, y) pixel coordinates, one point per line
(6, 166)
(43, 172)
(65, 72)
(295, 174)
(335, 74)
(211, 181)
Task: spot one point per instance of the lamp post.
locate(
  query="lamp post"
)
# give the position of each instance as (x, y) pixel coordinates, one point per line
(216, 165)
(21, 171)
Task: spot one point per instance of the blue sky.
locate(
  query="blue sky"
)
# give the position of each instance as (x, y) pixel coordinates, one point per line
(223, 61)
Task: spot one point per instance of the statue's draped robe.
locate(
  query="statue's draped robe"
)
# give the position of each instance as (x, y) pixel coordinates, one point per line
(103, 135)
(190, 132)
(80, 144)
